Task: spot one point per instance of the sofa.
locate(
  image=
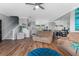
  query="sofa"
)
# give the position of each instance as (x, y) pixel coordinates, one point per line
(73, 36)
(43, 36)
(66, 43)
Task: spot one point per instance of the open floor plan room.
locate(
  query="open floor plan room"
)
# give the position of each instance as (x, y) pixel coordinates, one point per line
(39, 29)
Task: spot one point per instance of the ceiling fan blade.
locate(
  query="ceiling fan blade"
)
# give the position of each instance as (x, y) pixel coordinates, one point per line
(40, 3)
(41, 7)
(30, 3)
(34, 8)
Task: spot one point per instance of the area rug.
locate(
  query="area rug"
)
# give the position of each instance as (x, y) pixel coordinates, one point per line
(43, 52)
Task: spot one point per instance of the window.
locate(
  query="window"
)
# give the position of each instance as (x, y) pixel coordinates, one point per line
(77, 19)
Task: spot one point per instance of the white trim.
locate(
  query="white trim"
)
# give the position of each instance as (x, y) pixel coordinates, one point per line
(14, 30)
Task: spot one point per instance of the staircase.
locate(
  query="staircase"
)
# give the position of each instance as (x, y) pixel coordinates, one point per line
(12, 33)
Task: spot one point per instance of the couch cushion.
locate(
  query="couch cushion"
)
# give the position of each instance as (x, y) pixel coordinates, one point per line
(74, 36)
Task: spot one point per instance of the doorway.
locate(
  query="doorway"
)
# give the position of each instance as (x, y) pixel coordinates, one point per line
(0, 30)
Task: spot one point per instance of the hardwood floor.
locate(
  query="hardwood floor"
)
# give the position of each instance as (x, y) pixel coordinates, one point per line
(23, 46)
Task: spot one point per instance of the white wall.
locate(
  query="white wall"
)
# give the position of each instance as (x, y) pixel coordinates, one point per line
(64, 20)
(72, 22)
(22, 20)
(45, 22)
(41, 21)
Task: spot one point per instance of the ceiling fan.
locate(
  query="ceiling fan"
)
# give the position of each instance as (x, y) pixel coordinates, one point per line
(36, 5)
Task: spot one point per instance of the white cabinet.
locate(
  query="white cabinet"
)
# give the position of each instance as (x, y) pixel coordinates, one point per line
(24, 34)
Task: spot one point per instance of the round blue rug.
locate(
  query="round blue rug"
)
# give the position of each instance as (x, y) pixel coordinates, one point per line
(43, 52)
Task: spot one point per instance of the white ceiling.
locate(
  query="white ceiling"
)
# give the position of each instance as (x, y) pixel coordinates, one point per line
(52, 10)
